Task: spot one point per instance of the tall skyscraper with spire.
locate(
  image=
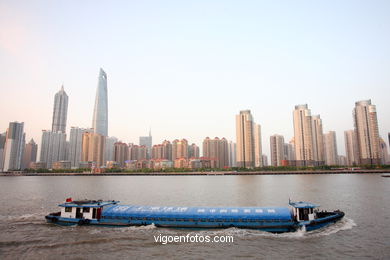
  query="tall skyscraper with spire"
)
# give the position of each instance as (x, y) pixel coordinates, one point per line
(60, 111)
(100, 110)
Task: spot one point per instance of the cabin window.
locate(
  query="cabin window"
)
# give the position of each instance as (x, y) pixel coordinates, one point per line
(68, 209)
(94, 213)
(85, 210)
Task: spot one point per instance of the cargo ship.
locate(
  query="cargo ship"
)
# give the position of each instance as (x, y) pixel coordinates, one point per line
(299, 215)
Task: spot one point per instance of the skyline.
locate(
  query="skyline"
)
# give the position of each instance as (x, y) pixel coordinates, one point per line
(185, 71)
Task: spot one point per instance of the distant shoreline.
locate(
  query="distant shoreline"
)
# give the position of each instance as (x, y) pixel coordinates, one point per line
(217, 173)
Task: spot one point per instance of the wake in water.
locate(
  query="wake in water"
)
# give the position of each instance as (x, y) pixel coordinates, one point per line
(344, 224)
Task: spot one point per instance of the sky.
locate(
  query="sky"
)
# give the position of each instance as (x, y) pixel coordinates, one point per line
(186, 68)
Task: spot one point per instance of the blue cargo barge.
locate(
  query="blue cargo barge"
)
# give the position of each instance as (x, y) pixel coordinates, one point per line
(272, 219)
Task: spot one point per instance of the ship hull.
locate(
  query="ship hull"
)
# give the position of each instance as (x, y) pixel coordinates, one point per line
(268, 226)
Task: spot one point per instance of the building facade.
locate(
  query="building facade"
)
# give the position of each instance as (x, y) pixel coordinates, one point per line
(93, 148)
(193, 151)
(331, 155)
(318, 140)
(121, 153)
(367, 134)
(147, 141)
(232, 154)
(217, 149)
(248, 141)
(351, 148)
(100, 110)
(29, 154)
(53, 147)
(277, 150)
(75, 145)
(179, 149)
(2, 146)
(60, 111)
(14, 146)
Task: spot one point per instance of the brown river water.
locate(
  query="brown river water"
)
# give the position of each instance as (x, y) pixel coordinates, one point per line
(364, 233)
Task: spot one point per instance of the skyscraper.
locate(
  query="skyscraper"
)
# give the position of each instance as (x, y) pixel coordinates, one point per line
(303, 135)
(30, 154)
(232, 154)
(147, 141)
(318, 140)
(384, 152)
(109, 148)
(367, 134)
(179, 149)
(53, 147)
(93, 148)
(14, 145)
(2, 145)
(248, 141)
(216, 149)
(193, 151)
(60, 111)
(277, 150)
(75, 145)
(351, 148)
(258, 148)
(121, 151)
(331, 155)
(100, 111)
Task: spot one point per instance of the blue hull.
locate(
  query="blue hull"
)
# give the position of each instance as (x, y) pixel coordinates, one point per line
(274, 227)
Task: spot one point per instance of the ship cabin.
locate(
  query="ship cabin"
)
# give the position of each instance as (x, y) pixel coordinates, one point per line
(303, 211)
(84, 209)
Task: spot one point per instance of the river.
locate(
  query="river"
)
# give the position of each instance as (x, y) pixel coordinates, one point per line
(364, 233)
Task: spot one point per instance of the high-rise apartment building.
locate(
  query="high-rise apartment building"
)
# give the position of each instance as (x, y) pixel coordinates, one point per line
(179, 149)
(93, 148)
(137, 152)
(258, 144)
(2, 145)
(331, 155)
(60, 111)
(248, 138)
(75, 145)
(351, 148)
(318, 140)
(289, 153)
(121, 153)
(53, 147)
(264, 160)
(100, 111)
(109, 149)
(162, 151)
(29, 154)
(308, 137)
(13, 147)
(277, 150)
(367, 134)
(384, 152)
(216, 149)
(193, 151)
(232, 154)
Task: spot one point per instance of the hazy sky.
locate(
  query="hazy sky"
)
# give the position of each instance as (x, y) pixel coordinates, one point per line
(186, 68)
